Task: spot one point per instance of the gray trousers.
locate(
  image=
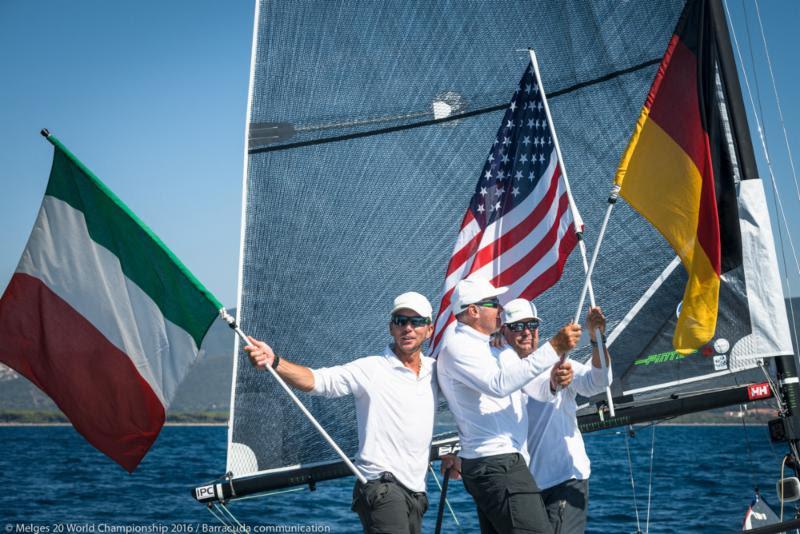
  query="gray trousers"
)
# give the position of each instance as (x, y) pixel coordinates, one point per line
(505, 494)
(566, 505)
(385, 506)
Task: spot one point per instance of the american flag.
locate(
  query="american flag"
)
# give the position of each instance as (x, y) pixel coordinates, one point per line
(519, 227)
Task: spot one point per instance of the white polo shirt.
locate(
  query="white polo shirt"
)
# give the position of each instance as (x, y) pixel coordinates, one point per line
(478, 391)
(395, 410)
(555, 443)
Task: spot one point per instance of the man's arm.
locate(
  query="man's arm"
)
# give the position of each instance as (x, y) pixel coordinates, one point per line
(476, 367)
(545, 387)
(331, 382)
(593, 380)
(261, 355)
(479, 370)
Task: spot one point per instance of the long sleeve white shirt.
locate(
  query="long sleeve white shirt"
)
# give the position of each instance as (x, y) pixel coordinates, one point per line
(395, 410)
(478, 391)
(555, 443)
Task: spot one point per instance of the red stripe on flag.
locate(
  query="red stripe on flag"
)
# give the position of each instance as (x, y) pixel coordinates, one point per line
(463, 254)
(510, 238)
(662, 70)
(553, 273)
(676, 109)
(468, 218)
(93, 382)
(708, 233)
(440, 333)
(514, 272)
(446, 300)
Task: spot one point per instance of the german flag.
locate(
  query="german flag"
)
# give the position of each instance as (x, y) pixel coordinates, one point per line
(677, 174)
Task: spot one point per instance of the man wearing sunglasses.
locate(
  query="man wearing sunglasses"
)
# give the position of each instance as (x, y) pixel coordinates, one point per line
(395, 395)
(558, 459)
(492, 431)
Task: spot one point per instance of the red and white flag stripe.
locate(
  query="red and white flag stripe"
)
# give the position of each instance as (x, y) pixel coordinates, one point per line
(525, 249)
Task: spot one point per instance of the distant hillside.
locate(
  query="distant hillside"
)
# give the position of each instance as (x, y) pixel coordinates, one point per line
(207, 387)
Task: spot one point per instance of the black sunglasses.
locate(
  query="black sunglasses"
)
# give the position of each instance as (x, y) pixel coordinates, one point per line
(522, 325)
(492, 303)
(416, 321)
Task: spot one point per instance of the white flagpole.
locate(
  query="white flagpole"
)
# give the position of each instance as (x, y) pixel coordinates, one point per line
(578, 222)
(232, 323)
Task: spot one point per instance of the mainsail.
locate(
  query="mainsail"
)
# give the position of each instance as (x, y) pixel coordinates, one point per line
(368, 123)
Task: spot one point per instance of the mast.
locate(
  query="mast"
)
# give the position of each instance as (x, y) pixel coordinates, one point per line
(786, 366)
(730, 76)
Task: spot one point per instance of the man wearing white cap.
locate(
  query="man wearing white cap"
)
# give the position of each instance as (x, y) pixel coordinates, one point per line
(478, 391)
(395, 395)
(558, 459)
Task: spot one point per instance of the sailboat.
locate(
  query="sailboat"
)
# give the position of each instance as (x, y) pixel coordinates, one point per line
(367, 125)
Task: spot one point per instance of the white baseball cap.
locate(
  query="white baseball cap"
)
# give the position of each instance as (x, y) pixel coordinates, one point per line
(519, 310)
(415, 302)
(472, 290)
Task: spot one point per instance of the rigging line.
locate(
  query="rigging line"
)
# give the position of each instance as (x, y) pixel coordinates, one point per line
(762, 135)
(793, 449)
(212, 509)
(225, 510)
(455, 117)
(775, 396)
(777, 100)
(773, 386)
(633, 483)
(776, 197)
(765, 144)
(753, 66)
(446, 501)
(743, 410)
(270, 493)
(650, 483)
(783, 465)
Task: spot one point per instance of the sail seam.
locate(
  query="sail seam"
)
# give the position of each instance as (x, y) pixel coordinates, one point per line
(455, 117)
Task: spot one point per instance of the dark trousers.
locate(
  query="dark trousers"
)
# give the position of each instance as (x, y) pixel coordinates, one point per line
(387, 507)
(566, 505)
(505, 494)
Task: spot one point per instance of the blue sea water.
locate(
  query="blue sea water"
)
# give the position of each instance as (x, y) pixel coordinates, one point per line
(702, 481)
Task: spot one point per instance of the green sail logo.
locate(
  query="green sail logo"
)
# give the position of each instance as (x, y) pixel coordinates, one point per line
(662, 357)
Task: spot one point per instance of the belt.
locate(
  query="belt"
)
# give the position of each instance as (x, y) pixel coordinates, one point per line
(387, 477)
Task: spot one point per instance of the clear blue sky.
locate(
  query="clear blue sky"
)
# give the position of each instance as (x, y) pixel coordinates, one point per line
(151, 95)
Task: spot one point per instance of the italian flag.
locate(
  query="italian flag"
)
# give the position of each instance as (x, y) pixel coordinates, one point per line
(101, 315)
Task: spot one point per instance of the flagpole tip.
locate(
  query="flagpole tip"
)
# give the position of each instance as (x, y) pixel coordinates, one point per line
(45, 133)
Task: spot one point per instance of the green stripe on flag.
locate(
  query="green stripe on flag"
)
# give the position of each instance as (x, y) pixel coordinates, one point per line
(145, 260)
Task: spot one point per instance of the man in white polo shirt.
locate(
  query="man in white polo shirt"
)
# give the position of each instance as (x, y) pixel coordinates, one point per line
(558, 459)
(478, 392)
(395, 395)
